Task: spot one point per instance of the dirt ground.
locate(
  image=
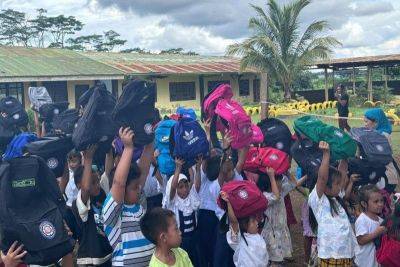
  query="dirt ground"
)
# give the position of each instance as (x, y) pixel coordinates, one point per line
(296, 231)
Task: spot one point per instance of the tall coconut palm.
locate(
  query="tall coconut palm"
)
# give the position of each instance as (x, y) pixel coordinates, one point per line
(278, 46)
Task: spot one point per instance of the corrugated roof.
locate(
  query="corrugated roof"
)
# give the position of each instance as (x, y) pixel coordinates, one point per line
(360, 61)
(133, 63)
(46, 62)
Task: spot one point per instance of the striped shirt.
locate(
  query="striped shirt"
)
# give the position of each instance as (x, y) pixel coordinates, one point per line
(121, 225)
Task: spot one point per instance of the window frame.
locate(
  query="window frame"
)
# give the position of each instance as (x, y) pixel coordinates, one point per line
(181, 91)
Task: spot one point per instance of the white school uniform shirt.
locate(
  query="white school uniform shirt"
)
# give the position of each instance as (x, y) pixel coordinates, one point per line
(207, 202)
(186, 206)
(215, 190)
(151, 187)
(366, 254)
(71, 191)
(253, 254)
(335, 238)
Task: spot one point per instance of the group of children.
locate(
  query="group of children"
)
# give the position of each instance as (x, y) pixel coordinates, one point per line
(132, 215)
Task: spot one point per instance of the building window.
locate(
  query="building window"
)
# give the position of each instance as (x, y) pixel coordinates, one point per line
(214, 84)
(12, 89)
(180, 91)
(244, 88)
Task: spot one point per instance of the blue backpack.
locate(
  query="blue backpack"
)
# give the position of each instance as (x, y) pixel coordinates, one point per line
(188, 141)
(17, 145)
(186, 113)
(166, 163)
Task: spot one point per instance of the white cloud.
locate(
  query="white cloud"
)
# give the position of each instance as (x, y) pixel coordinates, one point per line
(365, 27)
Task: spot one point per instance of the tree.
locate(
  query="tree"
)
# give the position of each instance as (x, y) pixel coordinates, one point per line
(84, 42)
(172, 51)
(40, 25)
(135, 50)
(110, 41)
(278, 47)
(60, 27)
(178, 51)
(14, 28)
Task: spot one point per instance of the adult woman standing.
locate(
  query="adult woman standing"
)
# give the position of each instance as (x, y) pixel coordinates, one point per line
(376, 119)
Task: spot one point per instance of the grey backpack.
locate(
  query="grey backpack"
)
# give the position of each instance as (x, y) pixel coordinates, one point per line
(38, 96)
(374, 147)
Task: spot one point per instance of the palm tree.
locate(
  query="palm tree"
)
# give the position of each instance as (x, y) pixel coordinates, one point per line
(277, 45)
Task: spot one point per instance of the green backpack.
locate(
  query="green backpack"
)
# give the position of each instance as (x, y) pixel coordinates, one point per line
(341, 144)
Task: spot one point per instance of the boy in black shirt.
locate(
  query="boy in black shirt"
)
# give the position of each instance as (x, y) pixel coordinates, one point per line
(94, 248)
(343, 107)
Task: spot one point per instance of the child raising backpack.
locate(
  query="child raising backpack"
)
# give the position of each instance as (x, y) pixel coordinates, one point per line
(243, 237)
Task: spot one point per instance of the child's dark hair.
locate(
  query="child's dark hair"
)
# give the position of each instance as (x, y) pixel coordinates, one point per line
(78, 175)
(365, 193)
(393, 222)
(134, 173)
(74, 154)
(263, 182)
(213, 167)
(155, 222)
(334, 174)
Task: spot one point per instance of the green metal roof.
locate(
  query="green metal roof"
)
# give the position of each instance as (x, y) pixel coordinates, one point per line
(134, 63)
(45, 62)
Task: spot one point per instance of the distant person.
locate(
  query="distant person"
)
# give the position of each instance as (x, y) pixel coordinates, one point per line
(342, 107)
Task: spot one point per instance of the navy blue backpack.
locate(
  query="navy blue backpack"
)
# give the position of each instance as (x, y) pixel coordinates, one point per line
(166, 163)
(188, 141)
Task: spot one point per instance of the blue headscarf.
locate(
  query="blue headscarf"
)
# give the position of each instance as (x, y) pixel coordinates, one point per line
(382, 123)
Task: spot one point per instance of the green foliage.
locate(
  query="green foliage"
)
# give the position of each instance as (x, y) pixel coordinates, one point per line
(31, 120)
(278, 47)
(135, 50)
(14, 28)
(178, 51)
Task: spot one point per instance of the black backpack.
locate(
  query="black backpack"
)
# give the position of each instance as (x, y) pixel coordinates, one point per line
(48, 111)
(13, 113)
(31, 211)
(96, 124)
(6, 135)
(53, 150)
(84, 98)
(66, 121)
(308, 157)
(136, 109)
(276, 134)
(374, 147)
(369, 173)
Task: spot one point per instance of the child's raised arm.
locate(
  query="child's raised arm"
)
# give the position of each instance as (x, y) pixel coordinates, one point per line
(174, 183)
(145, 161)
(242, 153)
(64, 178)
(87, 173)
(274, 186)
(231, 214)
(323, 172)
(121, 173)
(109, 163)
(197, 177)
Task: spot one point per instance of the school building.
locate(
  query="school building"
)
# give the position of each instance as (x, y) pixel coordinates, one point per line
(181, 80)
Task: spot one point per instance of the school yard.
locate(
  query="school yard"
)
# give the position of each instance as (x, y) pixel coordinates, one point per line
(298, 199)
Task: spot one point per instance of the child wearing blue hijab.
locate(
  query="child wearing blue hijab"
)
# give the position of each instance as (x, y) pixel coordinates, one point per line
(376, 119)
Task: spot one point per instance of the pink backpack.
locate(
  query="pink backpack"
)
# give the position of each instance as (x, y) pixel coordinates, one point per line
(234, 118)
(223, 91)
(258, 159)
(258, 136)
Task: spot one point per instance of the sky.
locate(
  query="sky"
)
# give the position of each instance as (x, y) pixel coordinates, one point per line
(364, 27)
